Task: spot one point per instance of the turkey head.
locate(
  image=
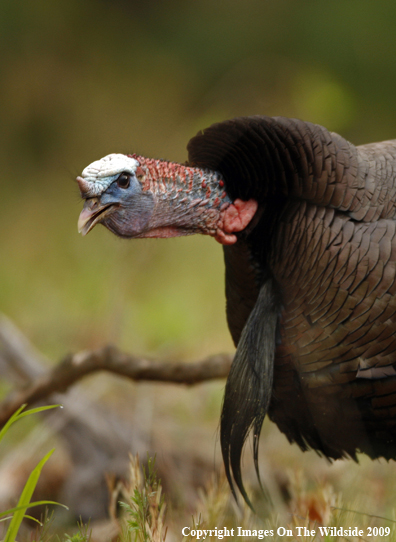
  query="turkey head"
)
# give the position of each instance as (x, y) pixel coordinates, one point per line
(136, 197)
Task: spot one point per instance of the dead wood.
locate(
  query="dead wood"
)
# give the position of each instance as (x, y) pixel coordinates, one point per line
(97, 439)
(73, 368)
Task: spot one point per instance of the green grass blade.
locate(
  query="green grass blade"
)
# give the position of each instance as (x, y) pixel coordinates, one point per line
(33, 519)
(12, 420)
(31, 505)
(18, 414)
(24, 499)
(36, 410)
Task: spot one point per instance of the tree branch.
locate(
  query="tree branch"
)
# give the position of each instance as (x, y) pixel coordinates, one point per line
(73, 368)
(95, 439)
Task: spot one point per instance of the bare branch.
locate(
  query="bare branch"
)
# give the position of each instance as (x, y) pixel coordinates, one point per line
(95, 439)
(74, 368)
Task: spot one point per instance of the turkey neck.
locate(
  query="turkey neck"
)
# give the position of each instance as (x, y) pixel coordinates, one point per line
(187, 198)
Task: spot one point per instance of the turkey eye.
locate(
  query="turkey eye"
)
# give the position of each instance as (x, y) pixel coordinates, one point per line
(123, 180)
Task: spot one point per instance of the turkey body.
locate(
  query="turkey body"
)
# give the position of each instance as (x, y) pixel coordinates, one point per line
(328, 237)
(310, 287)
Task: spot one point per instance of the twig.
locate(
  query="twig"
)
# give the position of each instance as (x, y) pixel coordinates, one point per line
(73, 368)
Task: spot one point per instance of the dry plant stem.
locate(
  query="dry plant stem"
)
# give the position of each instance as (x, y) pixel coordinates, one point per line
(74, 368)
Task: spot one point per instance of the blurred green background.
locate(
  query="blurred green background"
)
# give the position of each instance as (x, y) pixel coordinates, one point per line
(80, 79)
(83, 78)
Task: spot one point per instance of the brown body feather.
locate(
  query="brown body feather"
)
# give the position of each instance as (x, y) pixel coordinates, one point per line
(327, 240)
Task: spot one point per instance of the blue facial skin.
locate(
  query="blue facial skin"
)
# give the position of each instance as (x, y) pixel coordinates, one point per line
(132, 207)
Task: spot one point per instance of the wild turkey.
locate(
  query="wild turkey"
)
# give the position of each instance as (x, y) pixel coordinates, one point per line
(307, 221)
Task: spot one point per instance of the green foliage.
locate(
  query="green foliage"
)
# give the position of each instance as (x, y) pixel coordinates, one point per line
(20, 413)
(42, 532)
(144, 509)
(83, 534)
(18, 513)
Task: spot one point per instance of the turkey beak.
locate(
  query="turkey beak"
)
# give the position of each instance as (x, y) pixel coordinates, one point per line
(92, 213)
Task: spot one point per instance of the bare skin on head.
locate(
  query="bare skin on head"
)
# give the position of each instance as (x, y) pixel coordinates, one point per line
(135, 197)
(235, 219)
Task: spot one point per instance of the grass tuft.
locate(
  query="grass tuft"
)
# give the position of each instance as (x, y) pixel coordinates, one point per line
(142, 504)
